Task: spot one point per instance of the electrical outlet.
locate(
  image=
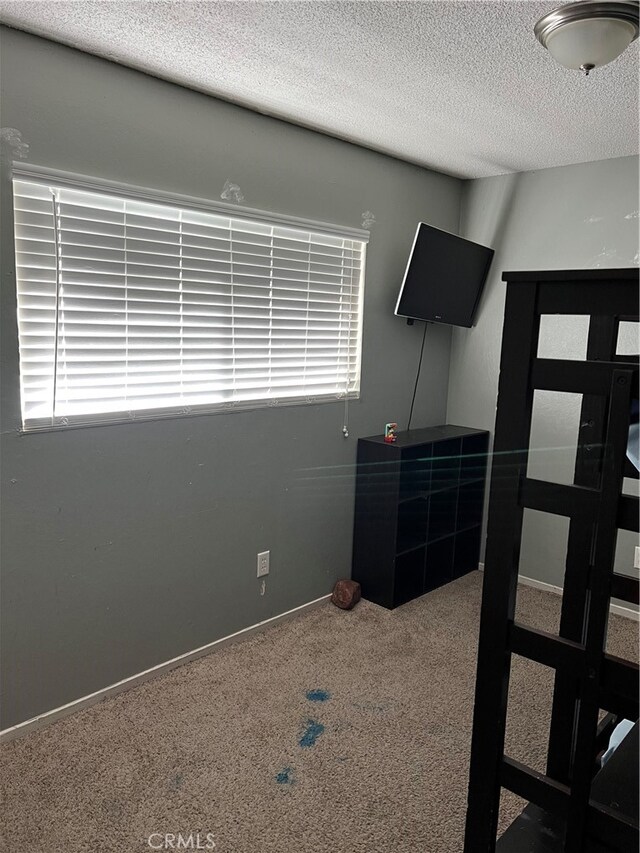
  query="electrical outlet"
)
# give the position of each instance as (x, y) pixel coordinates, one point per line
(263, 563)
(636, 557)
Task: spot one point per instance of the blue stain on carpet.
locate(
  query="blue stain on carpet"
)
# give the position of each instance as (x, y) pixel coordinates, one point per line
(318, 695)
(312, 732)
(285, 777)
(176, 782)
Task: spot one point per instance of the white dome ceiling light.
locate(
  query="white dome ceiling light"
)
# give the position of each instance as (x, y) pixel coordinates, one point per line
(588, 34)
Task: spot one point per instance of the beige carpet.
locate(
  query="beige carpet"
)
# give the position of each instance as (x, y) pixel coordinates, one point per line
(231, 744)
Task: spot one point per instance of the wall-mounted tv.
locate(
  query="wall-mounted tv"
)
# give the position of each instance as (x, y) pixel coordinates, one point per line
(444, 278)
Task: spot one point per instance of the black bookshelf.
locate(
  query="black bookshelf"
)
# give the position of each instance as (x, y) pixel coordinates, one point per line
(418, 512)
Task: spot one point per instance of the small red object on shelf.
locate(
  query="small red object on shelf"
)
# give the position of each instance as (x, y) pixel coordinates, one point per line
(390, 433)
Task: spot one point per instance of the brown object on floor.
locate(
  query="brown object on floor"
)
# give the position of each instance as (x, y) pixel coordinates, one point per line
(346, 594)
(215, 745)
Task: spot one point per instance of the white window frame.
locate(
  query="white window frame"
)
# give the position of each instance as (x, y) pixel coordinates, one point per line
(59, 179)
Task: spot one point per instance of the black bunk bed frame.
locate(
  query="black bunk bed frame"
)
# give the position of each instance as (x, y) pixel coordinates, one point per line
(587, 678)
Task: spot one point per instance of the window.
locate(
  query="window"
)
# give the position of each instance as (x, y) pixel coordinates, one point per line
(132, 306)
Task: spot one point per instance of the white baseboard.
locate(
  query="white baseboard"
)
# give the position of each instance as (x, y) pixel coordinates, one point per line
(49, 717)
(627, 612)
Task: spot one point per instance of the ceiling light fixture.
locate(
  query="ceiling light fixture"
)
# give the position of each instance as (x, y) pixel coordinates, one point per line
(587, 34)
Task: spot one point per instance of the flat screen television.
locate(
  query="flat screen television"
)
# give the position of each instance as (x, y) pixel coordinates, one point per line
(444, 278)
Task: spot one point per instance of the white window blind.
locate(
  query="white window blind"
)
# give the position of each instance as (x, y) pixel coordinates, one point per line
(129, 308)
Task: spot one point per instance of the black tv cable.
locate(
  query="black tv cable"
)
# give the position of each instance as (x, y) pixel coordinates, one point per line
(415, 387)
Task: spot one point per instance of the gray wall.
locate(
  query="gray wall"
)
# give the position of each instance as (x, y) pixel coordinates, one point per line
(579, 216)
(126, 545)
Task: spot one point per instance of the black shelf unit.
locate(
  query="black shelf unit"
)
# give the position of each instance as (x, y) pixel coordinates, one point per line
(572, 809)
(418, 512)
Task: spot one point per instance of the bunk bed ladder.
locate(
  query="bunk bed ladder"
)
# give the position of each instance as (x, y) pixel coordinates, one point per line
(587, 678)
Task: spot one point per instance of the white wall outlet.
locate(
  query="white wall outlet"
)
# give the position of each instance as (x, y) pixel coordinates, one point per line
(263, 564)
(636, 557)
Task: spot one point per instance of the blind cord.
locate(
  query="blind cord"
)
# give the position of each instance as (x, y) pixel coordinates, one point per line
(345, 425)
(415, 387)
(56, 237)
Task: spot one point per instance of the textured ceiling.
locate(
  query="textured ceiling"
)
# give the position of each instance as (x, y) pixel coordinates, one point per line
(464, 88)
